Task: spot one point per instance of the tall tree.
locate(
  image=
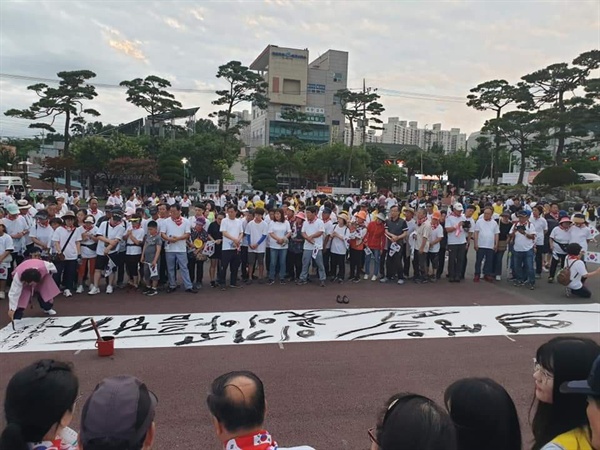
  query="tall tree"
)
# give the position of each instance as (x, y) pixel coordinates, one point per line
(264, 170)
(524, 132)
(244, 86)
(361, 108)
(65, 100)
(460, 167)
(294, 122)
(151, 95)
(387, 177)
(495, 95)
(552, 87)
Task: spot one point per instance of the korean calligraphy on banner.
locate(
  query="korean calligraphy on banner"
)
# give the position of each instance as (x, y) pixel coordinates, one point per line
(321, 325)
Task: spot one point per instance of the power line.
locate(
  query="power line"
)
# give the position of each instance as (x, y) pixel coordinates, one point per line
(382, 91)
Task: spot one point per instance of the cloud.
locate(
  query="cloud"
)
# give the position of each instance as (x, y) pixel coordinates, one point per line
(121, 44)
(174, 23)
(198, 13)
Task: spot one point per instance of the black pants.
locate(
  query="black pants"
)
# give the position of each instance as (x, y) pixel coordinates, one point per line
(456, 260)
(539, 253)
(327, 261)
(338, 266)
(464, 266)
(244, 262)
(185, 211)
(405, 255)
(66, 274)
(195, 268)
(554, 264)
(163, 276)
(45, 307)
(132, 263)
(394, 263)
(231, 259)
(294, 263)
(355, 259)
(119, 259)
(441, 262)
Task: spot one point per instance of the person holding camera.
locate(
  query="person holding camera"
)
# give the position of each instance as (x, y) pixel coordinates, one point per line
(523, 235)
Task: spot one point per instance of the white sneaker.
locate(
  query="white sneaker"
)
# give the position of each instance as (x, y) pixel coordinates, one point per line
(2, 295)
(366, 277)
(400, 281)
(373, 278)
(567, 292)
(79, 289)
(498, 278)
(94, 290)
(50, 312)
(109, 289)
(67, 293)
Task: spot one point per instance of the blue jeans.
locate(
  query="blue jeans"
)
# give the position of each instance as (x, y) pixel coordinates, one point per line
(524, 266)
(306, 259)
(278, 255)
(487, 255)
(181, 259)
(376, 256)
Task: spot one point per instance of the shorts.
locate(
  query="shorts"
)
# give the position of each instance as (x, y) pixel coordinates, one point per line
(258, 257)
(4, 269)
(102, 262)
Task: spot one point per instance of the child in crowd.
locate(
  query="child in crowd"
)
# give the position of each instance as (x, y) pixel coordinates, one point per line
(151, 258)
(134, 240)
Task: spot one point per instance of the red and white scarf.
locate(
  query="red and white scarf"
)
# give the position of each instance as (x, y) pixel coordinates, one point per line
(261, 440)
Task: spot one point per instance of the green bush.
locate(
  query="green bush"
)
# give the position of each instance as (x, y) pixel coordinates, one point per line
(556, 176)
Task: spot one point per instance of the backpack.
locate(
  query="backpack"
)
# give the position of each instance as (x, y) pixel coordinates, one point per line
(564, 276)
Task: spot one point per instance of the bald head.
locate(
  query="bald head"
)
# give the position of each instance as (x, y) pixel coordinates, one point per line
(237, 401)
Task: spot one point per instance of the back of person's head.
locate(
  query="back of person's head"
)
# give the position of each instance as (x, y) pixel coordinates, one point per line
(567, 358)
(415, 422)
(118, 415)
(573, 249)
(39, 400)
(31, 276)
(484, 415)
(237, 401)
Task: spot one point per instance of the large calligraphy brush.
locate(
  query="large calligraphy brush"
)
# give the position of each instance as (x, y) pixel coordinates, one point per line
(95, 327)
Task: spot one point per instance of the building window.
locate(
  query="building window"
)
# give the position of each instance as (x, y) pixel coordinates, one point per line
(291, 87)
(338, 77)
(335, 122)
(336, 100)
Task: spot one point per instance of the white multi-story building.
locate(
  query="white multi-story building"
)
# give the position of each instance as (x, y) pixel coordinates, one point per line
(308, 87)
(397, 131)
(371, 137)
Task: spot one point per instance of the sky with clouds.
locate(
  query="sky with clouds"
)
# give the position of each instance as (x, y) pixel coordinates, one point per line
(439, 48)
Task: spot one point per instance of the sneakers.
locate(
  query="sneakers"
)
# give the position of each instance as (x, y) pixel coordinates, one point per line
(171, 289)
(567, 292)
(355, 280)
(301, 282)
(271, 282)
(94, 290)
(79, 289)
(282, 282)
(192, 290)
(498, 277)
(532, 287)
(109, 289)
(50, 312)
(373, 278)
(400, 281)
(384, 280)
(322, 283)
(550, 279)
(146, 290)
(366, 277)
(152, 292)
(67, 293)
(545, 269)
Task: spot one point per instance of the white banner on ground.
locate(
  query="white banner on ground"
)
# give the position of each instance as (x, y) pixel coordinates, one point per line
(319, 325)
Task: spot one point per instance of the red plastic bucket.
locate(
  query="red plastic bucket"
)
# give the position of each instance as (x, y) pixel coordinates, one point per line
(106, 346)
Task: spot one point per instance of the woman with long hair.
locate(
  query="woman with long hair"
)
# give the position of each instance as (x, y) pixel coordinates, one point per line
(560, 421)
(38, 407)
(484, 415)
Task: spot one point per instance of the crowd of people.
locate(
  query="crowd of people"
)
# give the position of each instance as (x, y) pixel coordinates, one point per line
(122, 413)
(163, 241)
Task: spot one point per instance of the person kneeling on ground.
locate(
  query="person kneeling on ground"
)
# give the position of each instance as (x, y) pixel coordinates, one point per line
(119, 414)
(237, 405)
(30, 277)
(579, 273)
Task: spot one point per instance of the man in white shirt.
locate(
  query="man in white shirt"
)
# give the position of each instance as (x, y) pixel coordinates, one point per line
(457, 242)
(541, 229)
(313, 231)
(523, 235)
(233, 233)
(579, 233)
(110, 234)
(93, 209)
(256, 234)
(175, 232)
(17, 229)
(115, 199)
(485, 240)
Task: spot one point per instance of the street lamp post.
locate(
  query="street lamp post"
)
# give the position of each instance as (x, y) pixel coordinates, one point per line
(184, 161)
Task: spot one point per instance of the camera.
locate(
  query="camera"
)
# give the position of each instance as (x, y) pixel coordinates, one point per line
(466, 224)
(520, 228)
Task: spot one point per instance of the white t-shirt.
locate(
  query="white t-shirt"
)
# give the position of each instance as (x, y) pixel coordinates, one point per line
(109, 232)
(6, 243)
(578, 271)
(338, 245)
(61, 235)
(86, 240)
(579, 236)
(132, 248)
(171, 229)
(18, 225)
(96, 215)
(522, 242)
(279, 229)
(488, 229)
(433, 235)
(453, 221)
(541, 227)
(560, 236)
(186, 203)
(234, 227)
(42, 234)
(328, 228)
(256, 231)
(115, 200)
(311, 228)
